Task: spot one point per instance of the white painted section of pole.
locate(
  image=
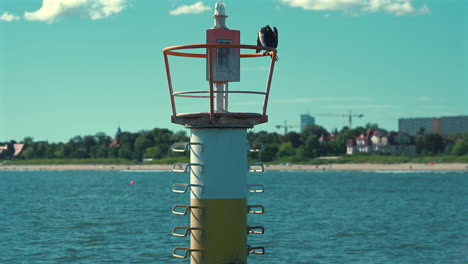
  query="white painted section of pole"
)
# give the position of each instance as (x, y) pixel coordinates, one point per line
(220, 105)
(226, 96)
(222, 97)
(223, 158)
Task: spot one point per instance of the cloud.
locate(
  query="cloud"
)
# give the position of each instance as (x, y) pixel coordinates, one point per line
(361, 106)
(424, 99)
(196, 8)
(394, 7)
(296, 100)
(52, 10)
(308, 100)
(9, 17)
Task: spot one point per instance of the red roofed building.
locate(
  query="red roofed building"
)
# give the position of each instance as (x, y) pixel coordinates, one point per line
(350, 146)
(378, 141)
(327, 137)
(10, 150)
(366, 143)
(2, 148)
(18, 149)
(116, 141)
(363, 142)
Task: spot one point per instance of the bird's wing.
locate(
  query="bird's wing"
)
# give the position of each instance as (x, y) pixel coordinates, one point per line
(275, 42)
(262, 38)
(269, 37)
(259, 43)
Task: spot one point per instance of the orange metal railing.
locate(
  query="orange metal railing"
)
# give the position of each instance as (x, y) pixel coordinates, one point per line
(174, 51)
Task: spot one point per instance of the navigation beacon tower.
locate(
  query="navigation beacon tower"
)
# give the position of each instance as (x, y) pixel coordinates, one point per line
(218, 151)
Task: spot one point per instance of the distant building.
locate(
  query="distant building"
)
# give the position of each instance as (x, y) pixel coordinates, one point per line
(306, 120)
(116, 141)
(378, 141)
(446, 126)
(415, 126)
(450, 125)
(327, 137)
(363, 142)
(16, 149)
(351, 147)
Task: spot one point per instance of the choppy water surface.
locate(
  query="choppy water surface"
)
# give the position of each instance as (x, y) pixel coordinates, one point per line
(311, 217)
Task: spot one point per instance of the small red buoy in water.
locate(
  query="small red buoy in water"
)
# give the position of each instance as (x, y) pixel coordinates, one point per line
(132, 182)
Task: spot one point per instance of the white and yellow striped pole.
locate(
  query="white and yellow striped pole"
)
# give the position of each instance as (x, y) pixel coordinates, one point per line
(223, 175)
(218, 200)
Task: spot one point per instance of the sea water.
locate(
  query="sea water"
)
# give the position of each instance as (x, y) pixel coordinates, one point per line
(310, 217)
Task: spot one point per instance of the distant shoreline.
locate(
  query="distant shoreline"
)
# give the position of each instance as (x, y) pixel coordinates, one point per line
(292, 167)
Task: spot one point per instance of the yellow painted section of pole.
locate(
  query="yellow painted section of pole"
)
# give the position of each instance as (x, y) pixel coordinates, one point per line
(223, 238)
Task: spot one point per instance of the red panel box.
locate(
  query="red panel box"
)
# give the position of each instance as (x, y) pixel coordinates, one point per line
(226, 61)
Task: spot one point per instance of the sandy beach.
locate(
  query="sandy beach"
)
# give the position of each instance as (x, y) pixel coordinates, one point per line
(305, 167)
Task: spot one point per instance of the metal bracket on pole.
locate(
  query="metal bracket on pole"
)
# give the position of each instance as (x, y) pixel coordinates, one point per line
(188, 251)
(183, 167)
(256, 147)
(187, 209)
(255, 250)
(183, 146)
(260, 167)
(188, 230)
(251, 211)
(185, 186)
(255, 188)
(255, 230)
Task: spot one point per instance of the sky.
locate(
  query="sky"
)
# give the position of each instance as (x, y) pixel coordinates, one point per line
(78, 67)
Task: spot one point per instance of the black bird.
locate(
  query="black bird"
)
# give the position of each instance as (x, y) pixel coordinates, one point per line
(268, 38)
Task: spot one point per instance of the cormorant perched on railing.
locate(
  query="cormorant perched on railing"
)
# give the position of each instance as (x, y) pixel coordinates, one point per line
(268, 38)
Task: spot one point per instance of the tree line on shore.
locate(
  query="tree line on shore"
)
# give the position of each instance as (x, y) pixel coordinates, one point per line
(290, 147)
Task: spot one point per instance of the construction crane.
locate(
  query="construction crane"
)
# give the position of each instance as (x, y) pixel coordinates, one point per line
(349, 115)
(285, 126)
(350, 118)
